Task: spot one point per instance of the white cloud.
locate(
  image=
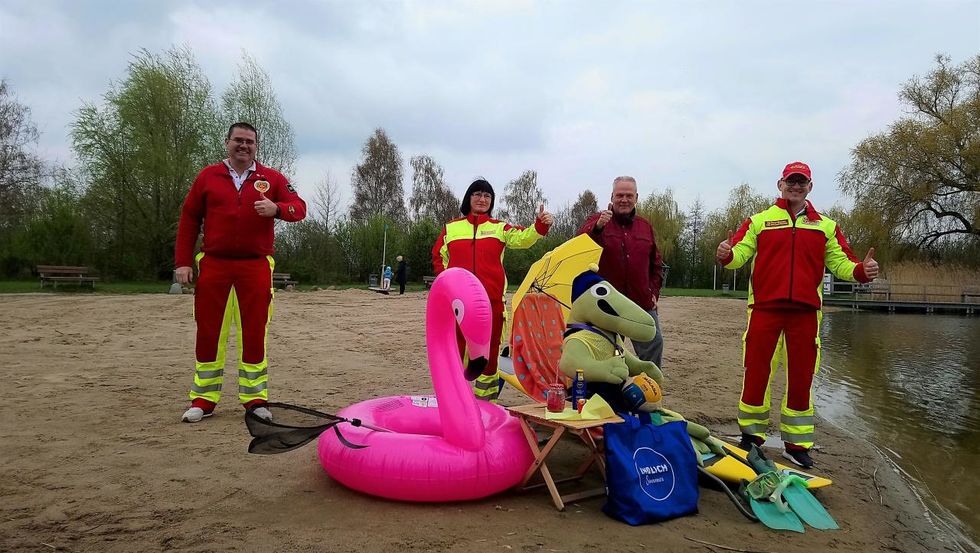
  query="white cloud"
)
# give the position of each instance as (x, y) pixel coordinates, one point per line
(696, 96)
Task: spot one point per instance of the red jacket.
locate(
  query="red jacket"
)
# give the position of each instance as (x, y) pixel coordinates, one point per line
(476, 243)
(789, 253)
(630, 259)
(232, 228)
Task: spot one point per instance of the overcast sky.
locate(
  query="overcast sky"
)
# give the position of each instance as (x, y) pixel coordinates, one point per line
(696, 96)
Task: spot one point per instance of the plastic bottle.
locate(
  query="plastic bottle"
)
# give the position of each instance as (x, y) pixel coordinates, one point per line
(578, 387)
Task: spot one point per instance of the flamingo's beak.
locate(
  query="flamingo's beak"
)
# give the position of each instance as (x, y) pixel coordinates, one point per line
(475, 367)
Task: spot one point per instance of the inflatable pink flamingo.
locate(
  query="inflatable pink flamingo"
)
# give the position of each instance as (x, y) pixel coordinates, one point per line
(451, 449)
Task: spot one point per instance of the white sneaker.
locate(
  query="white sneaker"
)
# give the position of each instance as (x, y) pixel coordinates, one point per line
(262, 413)
(194, 414)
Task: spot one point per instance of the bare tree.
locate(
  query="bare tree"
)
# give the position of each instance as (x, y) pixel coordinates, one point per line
(326, 201)
(20, 168)
(569, 218)
(522, 198)
(692, 242)
(445, 206)
(377, 181)
(431, 198)
(585, 205)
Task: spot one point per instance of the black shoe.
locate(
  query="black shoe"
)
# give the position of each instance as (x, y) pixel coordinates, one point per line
(747, 441)
(799, 457)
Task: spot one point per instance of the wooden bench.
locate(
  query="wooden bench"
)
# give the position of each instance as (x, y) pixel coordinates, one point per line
(970, 293)
(428, 280)
(282, 280)
(53, 274)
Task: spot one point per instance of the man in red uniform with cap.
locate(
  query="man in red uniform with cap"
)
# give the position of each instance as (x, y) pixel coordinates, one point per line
(789, 244)
(237, 201)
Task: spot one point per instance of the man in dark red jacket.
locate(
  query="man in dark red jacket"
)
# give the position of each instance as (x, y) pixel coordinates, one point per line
(237, 201)
(630, 259)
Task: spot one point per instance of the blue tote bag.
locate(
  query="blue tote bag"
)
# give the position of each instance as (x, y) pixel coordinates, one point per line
(651, 470)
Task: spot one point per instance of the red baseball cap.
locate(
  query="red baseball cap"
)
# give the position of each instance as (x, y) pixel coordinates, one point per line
(797, 167)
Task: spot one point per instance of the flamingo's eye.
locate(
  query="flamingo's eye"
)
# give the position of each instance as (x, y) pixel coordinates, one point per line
(458, 310)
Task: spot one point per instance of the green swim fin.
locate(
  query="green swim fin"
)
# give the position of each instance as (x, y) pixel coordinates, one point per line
(770, 515)
(766, 511)
(793, 490)
(809, 509)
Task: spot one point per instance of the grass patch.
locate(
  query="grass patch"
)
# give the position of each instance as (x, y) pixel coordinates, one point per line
(162, 287)
(34, 286)
(702, 293)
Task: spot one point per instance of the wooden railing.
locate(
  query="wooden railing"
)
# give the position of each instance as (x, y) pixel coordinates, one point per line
(885, 291)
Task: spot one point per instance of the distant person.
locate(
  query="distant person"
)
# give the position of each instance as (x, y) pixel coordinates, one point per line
(789, 245)
(476, 242)
(401, 275)
(238, 200)
(386, 278)
(630, 259)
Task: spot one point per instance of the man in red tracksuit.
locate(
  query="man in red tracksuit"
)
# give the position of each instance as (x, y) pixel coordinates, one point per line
(237, 201)
(789, 244)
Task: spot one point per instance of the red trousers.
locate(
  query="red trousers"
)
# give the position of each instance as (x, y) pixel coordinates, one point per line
(799, 327)
(252, 279)
(232, 291)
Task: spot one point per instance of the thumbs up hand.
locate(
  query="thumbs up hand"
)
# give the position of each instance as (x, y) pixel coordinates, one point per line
(725, 248)
(266, 207)
(870, 265)
(604, 217)
(545, 217)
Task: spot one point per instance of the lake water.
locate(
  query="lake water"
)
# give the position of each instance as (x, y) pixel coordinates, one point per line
(910, 384)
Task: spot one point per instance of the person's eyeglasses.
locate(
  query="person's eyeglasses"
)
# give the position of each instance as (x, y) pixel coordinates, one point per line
(483, 195)
(239, 140)
(795, 182)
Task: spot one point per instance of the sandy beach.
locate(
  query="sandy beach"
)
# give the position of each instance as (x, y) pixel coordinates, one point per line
(95, 457)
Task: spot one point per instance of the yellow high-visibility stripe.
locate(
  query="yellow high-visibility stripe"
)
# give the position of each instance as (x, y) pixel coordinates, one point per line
(487, 387)
(253, 378)
(208, 376)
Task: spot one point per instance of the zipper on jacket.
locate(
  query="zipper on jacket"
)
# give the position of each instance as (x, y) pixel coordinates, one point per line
(238, 197)
(792, 260)
(474, 246)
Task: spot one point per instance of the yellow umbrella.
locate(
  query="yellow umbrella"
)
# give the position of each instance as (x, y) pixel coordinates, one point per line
(554, 272)
(540, 307)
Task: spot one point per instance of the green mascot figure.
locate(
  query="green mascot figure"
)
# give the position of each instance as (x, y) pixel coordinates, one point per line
(600, 318)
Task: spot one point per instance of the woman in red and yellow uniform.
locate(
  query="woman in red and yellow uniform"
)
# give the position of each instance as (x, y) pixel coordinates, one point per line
(476, 242)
